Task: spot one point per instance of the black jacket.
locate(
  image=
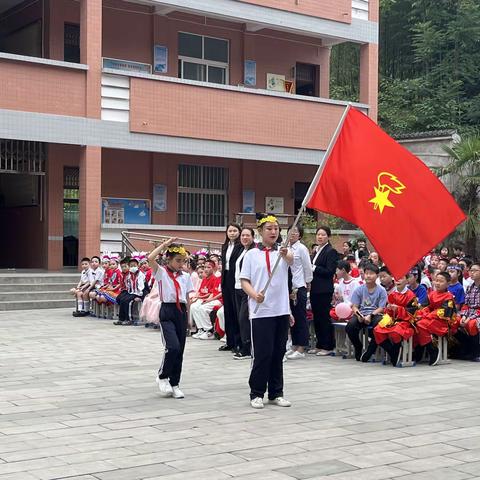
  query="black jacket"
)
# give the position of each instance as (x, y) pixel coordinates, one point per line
(325, 267)
(237, 251)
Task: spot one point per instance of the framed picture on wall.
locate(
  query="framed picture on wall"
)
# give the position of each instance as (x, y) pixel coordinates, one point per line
(160, 59)
(274, 205)
(159, 198)
(250, 75)
(275, 82)
(248, 201)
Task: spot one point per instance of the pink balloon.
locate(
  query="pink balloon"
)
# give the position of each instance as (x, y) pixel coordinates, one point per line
(343, 310)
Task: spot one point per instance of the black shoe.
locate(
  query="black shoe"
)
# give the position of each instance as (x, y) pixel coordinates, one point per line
(128, 322)
(77, 314)
(119, 322)
(418, 353)
(358, 353)
(367, 354)
(241, 356)
(433, 355)
(395, 354)
(225, 348)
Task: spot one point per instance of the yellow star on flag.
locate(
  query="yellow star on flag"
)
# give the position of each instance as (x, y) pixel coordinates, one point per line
(381, 200)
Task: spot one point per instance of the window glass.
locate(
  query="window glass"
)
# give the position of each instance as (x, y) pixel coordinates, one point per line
(216, 75)
(194, 71)
(216, 50)
(189, 45)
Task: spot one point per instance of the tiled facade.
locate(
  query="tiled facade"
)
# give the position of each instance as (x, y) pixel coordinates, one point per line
(269, 141)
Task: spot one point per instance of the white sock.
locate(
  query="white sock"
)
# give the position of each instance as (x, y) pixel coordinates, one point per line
(86, 304)
(80, 305)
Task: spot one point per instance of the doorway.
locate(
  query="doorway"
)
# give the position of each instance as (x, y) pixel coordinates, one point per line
(300, 190)
(306, 76)
(70, 216)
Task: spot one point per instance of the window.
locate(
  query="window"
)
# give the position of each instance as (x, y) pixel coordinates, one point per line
(202, 58)
(202, 195)
(71, 43)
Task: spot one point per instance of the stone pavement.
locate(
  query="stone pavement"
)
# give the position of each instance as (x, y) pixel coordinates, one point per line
(78, 400)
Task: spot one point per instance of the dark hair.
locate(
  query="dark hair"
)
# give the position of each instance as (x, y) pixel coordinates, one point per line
(350, 257)
(417, 273)
(477, 264)
(252, 245)
(384, 269)
(443, 259)
(227, 240)
(348, 243)
(372, 268)
(343, 265)
(300, 229)
(458, 246)
(445, 275)
(97, 257)
(468, 261)
(124, 260)
(84, 259)
(168, 254)
(325, 228)
(133, 260)
(363, 253)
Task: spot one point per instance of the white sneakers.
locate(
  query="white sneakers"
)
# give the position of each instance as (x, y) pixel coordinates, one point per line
(166, 390)
(206, 336)
(199, 332)
(258, 404)
(280, 402)
(294, 355)
(325, 353)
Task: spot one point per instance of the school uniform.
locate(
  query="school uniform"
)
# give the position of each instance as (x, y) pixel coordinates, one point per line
(96, 277)
(199, 311)
(174, 289)
(135, 284)
(302, 275)
(269, 325)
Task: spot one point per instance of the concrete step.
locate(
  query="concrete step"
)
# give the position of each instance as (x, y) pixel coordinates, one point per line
(36, 287)
(38, 278)
(36, 304)
(28, 296)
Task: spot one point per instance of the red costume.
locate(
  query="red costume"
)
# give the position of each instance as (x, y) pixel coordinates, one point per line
(437, 318)
(398, 323)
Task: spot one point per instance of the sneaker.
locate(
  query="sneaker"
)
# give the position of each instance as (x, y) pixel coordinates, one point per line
(164, 386)
(257, 403)
(206, 336)
(325, 353)
(295, 355)
(280, 402)
(225, 348)
(197, 335)
(224, 339)
(396, 355)
(313, 351)
(118, 322)
(177, 393)
(241, 356)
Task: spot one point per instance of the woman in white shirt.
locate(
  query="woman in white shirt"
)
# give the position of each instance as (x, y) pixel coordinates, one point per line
(241, 298)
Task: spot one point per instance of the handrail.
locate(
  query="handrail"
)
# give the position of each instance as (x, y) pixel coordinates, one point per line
(129, 237)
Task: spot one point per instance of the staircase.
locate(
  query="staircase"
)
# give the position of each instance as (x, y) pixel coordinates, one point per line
(32, 291)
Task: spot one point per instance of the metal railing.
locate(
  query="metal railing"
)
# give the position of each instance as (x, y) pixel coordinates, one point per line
(136, 241)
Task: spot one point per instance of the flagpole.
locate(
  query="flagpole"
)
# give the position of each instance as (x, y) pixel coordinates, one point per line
(310, 190)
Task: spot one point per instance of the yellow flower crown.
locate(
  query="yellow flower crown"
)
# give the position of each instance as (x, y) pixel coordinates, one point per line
(269, 218)
(179, 250)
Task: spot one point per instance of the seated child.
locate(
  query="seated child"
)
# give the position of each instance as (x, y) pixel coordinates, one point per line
(455, 287)
(344, 288)
(134, 286)
(96, 274)
(386, 279)
(397, 323)
(149, 313)
(110, 290)
(368, 303)
(468, 333)
(437, 318)
(81, 288)
(414, 277)
(208, 297)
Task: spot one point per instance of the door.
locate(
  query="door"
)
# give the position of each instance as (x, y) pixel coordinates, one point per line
(306, 76)
(70, 216)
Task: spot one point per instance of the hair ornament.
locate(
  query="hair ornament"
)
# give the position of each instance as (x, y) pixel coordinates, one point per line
(177, 250)
(268, 218)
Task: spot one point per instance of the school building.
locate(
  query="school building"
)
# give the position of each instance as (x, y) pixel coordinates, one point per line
(163, 116)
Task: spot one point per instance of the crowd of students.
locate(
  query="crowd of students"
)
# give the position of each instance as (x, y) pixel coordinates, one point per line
(438, 297)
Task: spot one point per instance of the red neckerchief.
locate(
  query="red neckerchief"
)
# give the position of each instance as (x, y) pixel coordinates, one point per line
(267, 251)
(176, 285)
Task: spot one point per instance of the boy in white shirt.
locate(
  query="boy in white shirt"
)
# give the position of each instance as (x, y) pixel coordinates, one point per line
(82, 287)
(271, 321)
(344, 288)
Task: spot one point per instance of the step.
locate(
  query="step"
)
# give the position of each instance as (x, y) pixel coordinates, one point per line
(36, 305)
(43, 295)
(13, 279)
(37, 287)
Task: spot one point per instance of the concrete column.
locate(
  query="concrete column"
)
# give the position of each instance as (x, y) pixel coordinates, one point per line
(91, 53)
(369, 78)
(324, 89)
(90, 201)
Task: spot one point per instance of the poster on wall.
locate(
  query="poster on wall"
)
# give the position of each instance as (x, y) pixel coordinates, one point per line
(159, 198)
(126, 211)
(248, 201)
(160, 59)
(126, 65)
(274, 205)
(250, 75)
(275, 82)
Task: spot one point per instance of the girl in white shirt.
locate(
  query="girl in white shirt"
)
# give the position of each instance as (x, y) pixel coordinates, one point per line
(270, 322)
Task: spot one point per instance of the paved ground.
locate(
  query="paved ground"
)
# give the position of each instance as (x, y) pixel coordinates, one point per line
(78, 400)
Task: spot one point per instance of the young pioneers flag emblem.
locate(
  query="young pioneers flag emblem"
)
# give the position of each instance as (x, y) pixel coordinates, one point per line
(373, 182)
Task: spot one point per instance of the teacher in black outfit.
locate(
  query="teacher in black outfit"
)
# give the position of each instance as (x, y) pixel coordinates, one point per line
(324, 265)
(231, 250)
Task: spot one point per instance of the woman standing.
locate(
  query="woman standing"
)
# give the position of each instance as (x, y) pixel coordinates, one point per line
(246, 239)
(324, 265)
(231, 250)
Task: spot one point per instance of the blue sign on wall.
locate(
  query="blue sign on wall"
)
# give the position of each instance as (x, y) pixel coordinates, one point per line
(126, 211)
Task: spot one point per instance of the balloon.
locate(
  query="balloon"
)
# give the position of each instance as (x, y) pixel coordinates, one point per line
(343, 310)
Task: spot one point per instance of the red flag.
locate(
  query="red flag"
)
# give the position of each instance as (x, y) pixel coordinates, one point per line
(373, 182)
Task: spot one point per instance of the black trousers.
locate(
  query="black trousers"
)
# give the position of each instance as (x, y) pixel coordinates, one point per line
(321, 304)
(269, 338)
(354, 328)
(469, 347)
(241, 300)
(124, 301)
(173, 328)
(299, 331)
(232, 329)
